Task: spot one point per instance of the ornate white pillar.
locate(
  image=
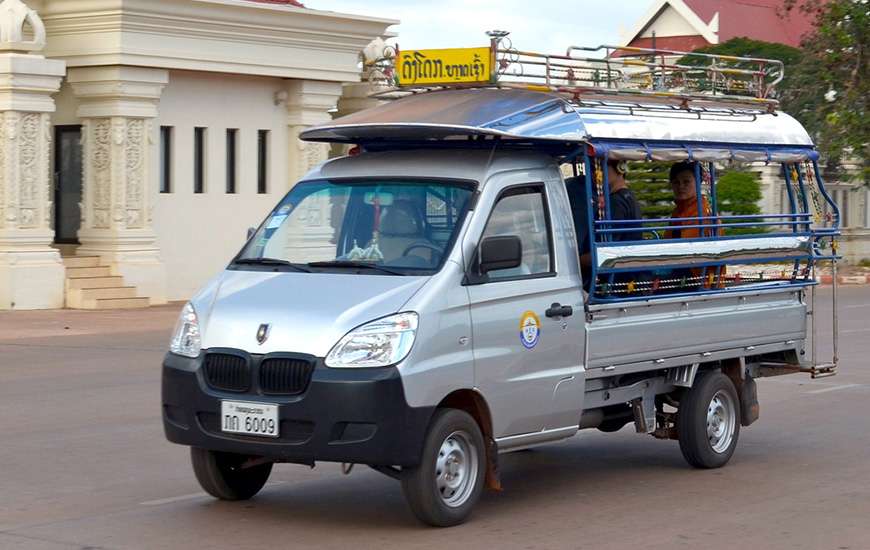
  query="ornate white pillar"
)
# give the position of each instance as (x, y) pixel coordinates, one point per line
(31, 272)
(357, 96)
(308, 104)
(117, 106)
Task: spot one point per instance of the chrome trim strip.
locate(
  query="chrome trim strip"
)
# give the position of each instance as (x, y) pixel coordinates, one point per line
(687, 252)
(523, 441)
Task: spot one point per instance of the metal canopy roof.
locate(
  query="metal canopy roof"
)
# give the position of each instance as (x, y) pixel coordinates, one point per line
(538, 116)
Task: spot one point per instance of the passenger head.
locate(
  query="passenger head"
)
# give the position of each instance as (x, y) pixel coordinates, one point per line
(682, 178)
(616, 171)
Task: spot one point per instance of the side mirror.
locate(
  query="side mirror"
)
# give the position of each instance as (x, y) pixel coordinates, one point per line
(251, 231)
(503, 252)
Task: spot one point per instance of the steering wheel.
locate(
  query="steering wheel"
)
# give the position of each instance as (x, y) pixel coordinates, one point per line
(432, 247)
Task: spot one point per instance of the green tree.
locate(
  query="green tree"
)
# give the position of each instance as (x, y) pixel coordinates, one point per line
(738, 193)
(649, 182)
(746, 47)
(830, 88)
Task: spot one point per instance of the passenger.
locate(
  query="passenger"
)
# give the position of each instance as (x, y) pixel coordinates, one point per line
(623, 206)
(682, 177)
(623, 203)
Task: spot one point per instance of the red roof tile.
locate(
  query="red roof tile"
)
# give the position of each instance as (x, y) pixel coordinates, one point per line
(677, 43)
(756, 19)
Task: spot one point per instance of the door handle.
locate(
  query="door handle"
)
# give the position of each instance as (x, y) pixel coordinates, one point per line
(558, 310)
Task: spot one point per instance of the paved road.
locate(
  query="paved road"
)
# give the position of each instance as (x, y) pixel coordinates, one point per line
(83, 464)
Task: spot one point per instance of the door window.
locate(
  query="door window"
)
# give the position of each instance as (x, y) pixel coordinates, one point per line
(522, 212)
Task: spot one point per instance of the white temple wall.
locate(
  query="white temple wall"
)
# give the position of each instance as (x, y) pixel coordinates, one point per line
(199, 233)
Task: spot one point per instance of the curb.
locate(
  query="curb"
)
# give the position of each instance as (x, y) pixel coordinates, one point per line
(845, 279)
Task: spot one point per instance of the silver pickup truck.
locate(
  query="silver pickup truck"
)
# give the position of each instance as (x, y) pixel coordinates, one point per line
(421, 305)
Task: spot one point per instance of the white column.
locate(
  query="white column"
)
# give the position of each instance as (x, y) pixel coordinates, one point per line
(31, 272)
(117, 105)
(309, 103)
(356, 96)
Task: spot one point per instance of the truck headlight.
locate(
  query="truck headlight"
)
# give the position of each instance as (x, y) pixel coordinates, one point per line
(380, 343)
(186, 338)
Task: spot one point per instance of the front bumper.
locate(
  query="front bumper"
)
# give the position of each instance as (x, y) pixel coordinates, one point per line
(345, 415)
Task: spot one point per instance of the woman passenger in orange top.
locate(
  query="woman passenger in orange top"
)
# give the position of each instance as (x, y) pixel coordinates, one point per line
(682, 178)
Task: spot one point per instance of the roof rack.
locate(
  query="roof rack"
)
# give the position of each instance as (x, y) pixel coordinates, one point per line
(612, 76)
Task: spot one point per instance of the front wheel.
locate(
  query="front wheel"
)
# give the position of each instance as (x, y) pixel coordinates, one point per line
(444, 488)
(222, 474)
(708, 421)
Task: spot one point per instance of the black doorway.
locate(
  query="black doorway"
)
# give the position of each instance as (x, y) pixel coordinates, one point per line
(67, 183)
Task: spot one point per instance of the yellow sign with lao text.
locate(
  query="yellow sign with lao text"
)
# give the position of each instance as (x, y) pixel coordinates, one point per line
(445, 67)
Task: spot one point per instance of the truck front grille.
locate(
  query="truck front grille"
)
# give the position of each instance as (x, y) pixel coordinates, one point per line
(287, 376)
(228, 372)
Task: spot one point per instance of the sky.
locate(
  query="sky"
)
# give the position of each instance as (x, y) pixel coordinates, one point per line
(547, 26)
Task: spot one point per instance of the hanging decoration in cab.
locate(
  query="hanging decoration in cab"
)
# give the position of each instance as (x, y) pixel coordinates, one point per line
(530, 329)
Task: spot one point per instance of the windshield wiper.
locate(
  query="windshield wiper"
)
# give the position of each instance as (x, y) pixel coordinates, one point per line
(270, 261)
(348, 263)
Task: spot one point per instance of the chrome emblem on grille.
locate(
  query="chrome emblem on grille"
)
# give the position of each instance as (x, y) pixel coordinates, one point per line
(263, 333)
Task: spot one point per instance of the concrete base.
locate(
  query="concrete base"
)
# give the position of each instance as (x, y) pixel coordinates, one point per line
(31, 280)
(140, 268)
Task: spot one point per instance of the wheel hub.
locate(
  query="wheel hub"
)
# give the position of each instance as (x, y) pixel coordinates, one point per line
(456, 469)
(721, 421)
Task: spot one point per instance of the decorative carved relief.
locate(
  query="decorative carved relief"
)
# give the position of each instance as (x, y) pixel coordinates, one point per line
(46, 174)
(116, 173)
(24, 173)
(134, 152)
(100, 172)
(10, 120)
(311, 154)
(4, 180)
(28, 169)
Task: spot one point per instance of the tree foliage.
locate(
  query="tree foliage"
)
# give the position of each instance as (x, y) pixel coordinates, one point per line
(738, 192)
(649, 182)
(746, 47)
(830, 89)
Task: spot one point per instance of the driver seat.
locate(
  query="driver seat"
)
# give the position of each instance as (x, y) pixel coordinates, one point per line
(401, 226)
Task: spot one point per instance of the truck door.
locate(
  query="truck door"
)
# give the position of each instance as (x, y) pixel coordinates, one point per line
(527, 322)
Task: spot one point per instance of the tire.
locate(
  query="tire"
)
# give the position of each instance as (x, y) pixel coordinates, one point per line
(444, 488)
(220, 474)
(708, 421)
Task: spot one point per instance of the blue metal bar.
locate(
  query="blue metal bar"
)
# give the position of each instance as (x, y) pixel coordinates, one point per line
(806, 204)
(593, 299)
(717, 218)
(615, 144)
(791, 198)
(708, 239)
(825, 194)
(699, 226)
(606, 192)
(714, 203)
(590, 220)
(794, 206)
(720, 263)
(699, 197)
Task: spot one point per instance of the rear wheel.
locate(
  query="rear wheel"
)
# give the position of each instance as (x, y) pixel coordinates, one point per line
(221, 474)
(708, 421)
(444, 488)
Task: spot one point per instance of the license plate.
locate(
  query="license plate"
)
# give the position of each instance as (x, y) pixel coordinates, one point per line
(240, 417)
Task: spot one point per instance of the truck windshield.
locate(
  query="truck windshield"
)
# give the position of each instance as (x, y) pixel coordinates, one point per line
(380, 227)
